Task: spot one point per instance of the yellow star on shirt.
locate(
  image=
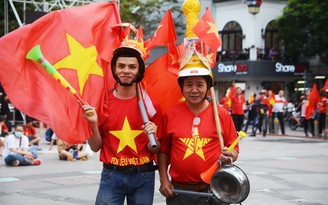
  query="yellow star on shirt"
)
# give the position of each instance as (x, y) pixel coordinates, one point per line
(195, 145)
(126, 136)
(81, 59)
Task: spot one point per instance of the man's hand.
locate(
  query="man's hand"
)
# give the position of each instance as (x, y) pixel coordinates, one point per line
(90, 113)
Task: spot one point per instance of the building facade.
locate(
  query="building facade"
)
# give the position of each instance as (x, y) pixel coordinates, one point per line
(251, 55)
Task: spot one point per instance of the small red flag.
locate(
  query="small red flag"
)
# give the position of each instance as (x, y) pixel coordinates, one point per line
(206, 30)
(165, 32)
(79, 43)
(313, 100)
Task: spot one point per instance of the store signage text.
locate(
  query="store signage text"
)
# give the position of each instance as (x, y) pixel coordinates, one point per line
(238, 69)
(280, 68)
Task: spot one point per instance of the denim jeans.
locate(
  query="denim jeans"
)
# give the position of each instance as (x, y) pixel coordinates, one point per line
(262, 123)
(22, 160)
(115, 186)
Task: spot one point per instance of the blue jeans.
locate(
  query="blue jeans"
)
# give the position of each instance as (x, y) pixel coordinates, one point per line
(262, 123)
(22, 160)
(115, 186)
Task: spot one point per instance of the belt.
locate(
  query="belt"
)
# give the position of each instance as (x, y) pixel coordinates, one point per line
(131, 169)
(191, 186)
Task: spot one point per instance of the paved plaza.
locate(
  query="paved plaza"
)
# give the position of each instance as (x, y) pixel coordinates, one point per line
(283, 170)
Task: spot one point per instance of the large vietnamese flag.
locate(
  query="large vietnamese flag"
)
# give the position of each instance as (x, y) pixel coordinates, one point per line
(312, 102)
(78, 42)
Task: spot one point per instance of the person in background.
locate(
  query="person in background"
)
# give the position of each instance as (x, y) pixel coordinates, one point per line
(71, 152)
(4, 107)
(278, 109)
(30, 132)
(3, 133)
(251, 112)
(237, 109)
(271, 98)
(322, 109)
(16, 152)
(261, 105)
(305, 121)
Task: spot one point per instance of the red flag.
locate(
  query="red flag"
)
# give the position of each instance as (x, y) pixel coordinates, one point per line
(312, 102)
(165, 32)
(232, 92)
(325, 88)
(79, 43)
(206, 30)
(161, 83)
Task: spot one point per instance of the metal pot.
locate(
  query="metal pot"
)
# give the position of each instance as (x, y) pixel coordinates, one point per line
(230, 184)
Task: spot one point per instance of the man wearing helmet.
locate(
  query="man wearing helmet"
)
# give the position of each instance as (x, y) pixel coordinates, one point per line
(120, 134)
(191, 145)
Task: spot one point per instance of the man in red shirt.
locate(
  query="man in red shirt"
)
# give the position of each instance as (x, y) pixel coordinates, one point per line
(30, 132)
(262, 106)
(237, 109)
(121, 135)
(191, 145)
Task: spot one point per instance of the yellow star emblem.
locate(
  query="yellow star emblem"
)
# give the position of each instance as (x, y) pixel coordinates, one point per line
(126, 136)
(158, 29)
(175, 60)
(195, 145)
(81, 59)
(209, 57)
(213, 29)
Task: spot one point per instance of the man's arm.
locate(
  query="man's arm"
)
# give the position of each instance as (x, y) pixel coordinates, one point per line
(95, 141)
(163, 164)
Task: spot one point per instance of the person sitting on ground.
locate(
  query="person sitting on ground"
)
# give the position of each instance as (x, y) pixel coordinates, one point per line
(53, 140)
(70, 152)
(30, 132)
(16, 151)
(3, 133)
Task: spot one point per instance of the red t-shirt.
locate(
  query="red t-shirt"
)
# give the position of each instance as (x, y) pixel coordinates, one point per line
(190, 156)
(124, 142)
(237, 105)
(29, 131)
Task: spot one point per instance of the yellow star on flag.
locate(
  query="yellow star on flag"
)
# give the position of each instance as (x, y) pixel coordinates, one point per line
(213, 29)
(158, 29)
(209, 57)
(195, 145)
(81, 59)
(175, 60)
(126, 136)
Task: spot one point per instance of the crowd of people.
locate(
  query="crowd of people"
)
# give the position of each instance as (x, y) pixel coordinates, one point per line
(268, 112)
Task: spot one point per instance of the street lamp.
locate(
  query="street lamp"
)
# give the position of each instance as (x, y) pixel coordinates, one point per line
(254, 6)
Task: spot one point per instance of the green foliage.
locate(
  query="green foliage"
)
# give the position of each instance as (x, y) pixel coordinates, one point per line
(303, 27)
(148, 13)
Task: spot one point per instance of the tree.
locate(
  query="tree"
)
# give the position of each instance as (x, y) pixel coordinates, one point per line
(303, 27)
(148, 13)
